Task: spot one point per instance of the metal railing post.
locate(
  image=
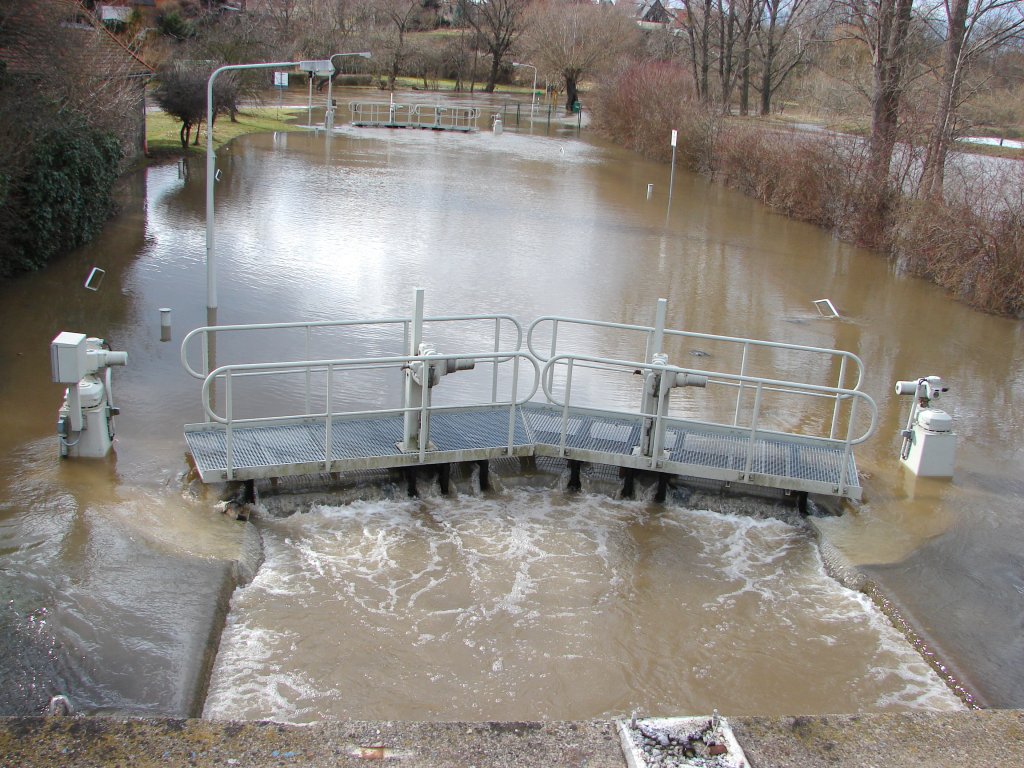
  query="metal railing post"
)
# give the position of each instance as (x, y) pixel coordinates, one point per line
(753, 432)
(739, 391)
(658, 443)
(512, 403)
(309, 373)
(424, 414)
(413, 394)
(658, 340)
(229, 456)
(839, 398)
(565, 406)
(494, 363)
(843, 483)
(328, 422)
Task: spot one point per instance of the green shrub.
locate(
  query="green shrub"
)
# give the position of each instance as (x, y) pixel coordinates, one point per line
(63, 197)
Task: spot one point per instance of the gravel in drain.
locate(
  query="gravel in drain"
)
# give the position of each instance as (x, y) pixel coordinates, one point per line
(681, 742)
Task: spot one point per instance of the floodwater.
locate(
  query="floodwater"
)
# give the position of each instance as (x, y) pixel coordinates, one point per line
(523, 602)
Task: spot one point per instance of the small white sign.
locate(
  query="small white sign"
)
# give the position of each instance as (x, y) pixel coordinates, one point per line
(674, 132)
(281, 79)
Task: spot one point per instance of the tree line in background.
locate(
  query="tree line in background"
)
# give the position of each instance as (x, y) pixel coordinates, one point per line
(909, 76)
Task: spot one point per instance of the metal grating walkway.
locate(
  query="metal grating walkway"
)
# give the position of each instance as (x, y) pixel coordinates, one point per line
(700, 450)
(370, 442)
(367, 442)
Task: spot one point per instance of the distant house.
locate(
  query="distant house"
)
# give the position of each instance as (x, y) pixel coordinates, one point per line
(652, 12)
(63, 47)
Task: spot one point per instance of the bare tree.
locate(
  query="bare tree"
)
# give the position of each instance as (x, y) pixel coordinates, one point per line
(884, 26)
(577, 39)
(399, 18)
(181, 93)
(971, 27)
(497, 23)
(698, 24)
(787, 27)
(736, 23)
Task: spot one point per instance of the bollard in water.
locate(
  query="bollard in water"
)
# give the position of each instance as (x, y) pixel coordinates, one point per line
(650, 191)
(165, 324)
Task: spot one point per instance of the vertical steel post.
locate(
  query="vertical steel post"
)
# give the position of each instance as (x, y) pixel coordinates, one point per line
(839, 398)
(659, 330)
(512, 403)
(495, 361)
(309, 376)
(847, 449)
(753, 433)
(328, 423)
(228, 445)
(413, 391)
(739, 392)
(565, 406)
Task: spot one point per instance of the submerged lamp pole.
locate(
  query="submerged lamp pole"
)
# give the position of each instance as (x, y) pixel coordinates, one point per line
(329, 114)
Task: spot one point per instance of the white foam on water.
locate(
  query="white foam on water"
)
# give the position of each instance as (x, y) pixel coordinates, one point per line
(535, 604)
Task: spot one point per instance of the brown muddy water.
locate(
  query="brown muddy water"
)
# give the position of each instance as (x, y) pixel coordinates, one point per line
(525, 601)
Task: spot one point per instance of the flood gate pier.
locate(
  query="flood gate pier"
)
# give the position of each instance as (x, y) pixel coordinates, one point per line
(731, 420)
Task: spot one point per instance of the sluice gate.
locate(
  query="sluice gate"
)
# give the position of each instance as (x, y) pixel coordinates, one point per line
(727, 420)
(436, 117)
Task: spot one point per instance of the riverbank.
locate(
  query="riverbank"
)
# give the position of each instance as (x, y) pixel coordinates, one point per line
(988, 739)
(162, 130)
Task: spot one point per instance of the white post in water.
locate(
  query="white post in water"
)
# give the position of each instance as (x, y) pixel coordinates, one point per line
(672, 173)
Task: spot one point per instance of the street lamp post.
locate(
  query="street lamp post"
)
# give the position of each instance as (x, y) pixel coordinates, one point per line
(329, 114)
(319, 67)
(211, 169)
(533, 93)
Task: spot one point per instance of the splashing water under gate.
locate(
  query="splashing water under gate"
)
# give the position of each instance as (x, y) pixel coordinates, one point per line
(534, 604)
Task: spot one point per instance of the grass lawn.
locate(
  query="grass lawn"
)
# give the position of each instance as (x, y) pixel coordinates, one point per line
(162, 130)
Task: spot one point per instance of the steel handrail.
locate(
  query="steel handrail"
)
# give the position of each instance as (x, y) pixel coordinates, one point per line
(310, 325)
(225, 372)
(726, 379)
(649, 331)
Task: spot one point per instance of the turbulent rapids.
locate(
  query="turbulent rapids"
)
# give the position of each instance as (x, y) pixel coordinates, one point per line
(533, 603)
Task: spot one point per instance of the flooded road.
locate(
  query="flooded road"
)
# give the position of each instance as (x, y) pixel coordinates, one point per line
(527, 603)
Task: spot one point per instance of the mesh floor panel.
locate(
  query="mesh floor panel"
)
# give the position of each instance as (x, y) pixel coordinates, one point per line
(690, 449)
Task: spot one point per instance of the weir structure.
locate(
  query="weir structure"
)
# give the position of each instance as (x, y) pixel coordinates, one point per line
(752, 412)
(436, 117)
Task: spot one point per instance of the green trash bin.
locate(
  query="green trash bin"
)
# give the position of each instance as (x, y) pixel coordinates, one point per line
(576, 106)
